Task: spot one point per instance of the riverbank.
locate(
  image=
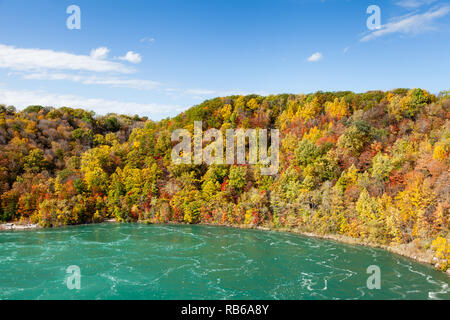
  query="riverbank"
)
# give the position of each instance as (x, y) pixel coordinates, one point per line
(18, 226)
(406, 250)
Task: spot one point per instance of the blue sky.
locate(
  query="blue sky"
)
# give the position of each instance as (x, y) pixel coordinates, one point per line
(158, 57)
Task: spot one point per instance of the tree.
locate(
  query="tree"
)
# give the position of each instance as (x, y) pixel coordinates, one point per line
(337, 108)
(238, 178)
(381, 166)
(35, 161)
(356, 137)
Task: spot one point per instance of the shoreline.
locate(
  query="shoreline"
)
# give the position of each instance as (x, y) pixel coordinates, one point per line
(417, 256)
(13, 226)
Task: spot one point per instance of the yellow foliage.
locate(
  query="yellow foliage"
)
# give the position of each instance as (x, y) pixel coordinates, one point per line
(253, 104)
(314, 134)
(309, 110)
(248, 217)
(440, 153)
(390, 96)
(441, 247)
(344, 227)
(31, 127)
(289, 143)
(367, 207)
(348, 178)
(411, 205)
(239, 103)
(226, 111)
(398, 105)
(337, 108)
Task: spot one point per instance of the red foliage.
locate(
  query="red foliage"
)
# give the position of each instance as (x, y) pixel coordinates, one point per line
(224, 184)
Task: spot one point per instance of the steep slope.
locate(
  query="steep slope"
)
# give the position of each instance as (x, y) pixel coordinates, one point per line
(371, 166)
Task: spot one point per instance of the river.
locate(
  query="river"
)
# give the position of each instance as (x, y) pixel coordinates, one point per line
(136, 261)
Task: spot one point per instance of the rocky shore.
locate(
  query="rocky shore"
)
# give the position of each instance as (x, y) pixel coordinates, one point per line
(15, 226)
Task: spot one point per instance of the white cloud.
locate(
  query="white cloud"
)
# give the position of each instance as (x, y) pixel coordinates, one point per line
(132, 57)
(40, 64)
(139, 84)
(148, 40)
(100, 53)
(315, 57)
(23, 98)
(410, 24)
(39, 59)
(411, 4)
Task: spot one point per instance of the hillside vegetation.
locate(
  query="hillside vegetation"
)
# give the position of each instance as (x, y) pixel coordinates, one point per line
(371, 166)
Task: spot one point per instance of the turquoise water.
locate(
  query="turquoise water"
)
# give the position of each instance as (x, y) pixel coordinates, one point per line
(133, 261)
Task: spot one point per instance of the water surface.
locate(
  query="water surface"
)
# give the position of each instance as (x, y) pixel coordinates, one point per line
(134, 261)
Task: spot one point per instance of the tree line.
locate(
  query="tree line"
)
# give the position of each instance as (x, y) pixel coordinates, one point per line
(371, 166)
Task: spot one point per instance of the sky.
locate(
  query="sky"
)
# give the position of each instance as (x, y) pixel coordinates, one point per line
(160, 57)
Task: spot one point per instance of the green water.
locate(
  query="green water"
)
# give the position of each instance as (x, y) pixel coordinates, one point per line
(133, 261)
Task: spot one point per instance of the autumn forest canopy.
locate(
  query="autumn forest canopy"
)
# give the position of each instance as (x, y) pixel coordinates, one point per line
(370, 166)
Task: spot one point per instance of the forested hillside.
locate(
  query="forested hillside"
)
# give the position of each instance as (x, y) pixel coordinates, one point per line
(372, 166)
